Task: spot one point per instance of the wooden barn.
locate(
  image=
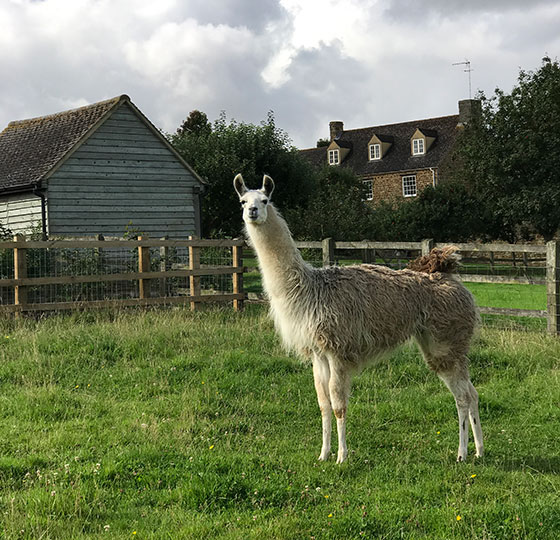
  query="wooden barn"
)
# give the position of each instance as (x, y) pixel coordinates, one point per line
(100, 169)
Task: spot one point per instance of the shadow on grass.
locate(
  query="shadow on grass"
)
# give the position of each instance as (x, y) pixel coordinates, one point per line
(543, 465)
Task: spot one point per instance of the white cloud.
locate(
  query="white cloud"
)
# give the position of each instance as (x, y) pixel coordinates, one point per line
(361, 61)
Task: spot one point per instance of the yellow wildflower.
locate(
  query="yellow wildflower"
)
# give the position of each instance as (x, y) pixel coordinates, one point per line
(458, 518)
(330, 515)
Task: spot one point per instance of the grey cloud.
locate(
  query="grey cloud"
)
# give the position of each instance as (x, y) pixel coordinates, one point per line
(255, 15)
(324, 85)
(417, 10)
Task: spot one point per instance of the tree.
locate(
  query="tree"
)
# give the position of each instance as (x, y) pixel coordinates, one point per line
(228, 148)
(447, 212)
(337, 208)
(195, 124)
(510, 156)
(5, 232)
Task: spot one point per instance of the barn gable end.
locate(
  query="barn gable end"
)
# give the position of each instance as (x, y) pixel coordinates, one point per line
(116, 173)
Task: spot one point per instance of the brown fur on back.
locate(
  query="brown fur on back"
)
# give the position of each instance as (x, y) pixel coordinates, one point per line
(445, 260)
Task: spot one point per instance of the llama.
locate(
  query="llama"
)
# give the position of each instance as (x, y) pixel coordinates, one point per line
(343, 317)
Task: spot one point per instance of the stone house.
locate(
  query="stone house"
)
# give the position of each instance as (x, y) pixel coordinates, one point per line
(395, 161)
(95, 170)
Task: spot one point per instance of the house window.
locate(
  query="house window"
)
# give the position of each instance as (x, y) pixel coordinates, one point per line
(409, 186)
(417, 147)
(368, 185)
(374, 151)
(334, 157)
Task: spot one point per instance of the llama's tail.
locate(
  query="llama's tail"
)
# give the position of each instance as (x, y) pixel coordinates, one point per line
(445, 259)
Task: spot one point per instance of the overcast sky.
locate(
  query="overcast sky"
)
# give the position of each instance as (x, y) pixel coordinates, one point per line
(365, 62)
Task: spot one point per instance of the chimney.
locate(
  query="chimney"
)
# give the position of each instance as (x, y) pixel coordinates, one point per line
(468, 110)
(336, 128)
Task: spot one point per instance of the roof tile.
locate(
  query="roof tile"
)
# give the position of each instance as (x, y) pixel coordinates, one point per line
(30, 148)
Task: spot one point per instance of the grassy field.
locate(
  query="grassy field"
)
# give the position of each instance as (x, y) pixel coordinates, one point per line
(178, 425)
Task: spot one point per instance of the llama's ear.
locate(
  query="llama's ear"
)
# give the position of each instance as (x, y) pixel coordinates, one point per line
(239, 185)
(268, 185)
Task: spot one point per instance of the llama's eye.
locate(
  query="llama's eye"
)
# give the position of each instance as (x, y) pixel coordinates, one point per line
(265, 202)
(243, 203)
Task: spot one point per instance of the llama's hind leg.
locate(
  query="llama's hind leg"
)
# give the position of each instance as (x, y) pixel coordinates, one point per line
(339, 389)
(457, 379)
(475, 423)
(321, 377)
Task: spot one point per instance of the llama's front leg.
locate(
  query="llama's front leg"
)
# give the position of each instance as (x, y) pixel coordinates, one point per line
(339, 389)
(321, 376)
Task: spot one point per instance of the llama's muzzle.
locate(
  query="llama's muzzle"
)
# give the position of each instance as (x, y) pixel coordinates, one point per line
(253, 213)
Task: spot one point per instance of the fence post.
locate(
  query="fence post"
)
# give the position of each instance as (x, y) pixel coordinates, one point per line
(163, 267)
(143, 266)
(194, 264)
(368, 256)
(553, 287)
(237, 256)
(20, 272)
(427, 246)
(328, 251)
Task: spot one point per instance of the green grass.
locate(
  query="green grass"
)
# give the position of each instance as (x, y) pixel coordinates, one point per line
(177, 425)
(509, 295)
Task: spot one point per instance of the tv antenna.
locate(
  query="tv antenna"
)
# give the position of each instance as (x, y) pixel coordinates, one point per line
(468, 70)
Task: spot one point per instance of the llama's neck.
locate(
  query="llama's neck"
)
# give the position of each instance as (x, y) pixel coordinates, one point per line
(282, 266)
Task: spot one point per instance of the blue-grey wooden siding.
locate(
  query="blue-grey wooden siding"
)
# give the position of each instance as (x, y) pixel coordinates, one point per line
(122, 176)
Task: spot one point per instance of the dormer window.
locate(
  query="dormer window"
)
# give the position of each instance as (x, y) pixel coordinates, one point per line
(418, 147)
(421, 141)
(337, 151)
(334, 157)
(378, 146)
(374, 151)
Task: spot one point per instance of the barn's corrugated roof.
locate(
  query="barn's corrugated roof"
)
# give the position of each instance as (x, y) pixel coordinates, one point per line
(30, 148)
(399, 157)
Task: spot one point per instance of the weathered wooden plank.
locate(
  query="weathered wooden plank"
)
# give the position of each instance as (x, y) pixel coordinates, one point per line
(110, 151)
(116, 165)
(499, 248)
(96, 177)
(309, 245)
(128, 302)
(115, 221)
(475, 278)
(125, 244)
(98, 208)
(380, 245)
(535, 313)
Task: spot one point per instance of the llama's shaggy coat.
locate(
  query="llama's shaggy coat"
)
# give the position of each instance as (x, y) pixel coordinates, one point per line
(343, 317)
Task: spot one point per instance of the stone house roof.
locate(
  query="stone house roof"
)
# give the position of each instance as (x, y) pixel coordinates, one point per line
(399, 156)
(30, 150)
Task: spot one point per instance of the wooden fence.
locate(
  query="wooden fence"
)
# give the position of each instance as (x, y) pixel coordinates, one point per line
(145, 286)
(150, 269)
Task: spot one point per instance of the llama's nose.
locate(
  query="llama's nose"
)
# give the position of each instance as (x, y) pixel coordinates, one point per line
(253, 212)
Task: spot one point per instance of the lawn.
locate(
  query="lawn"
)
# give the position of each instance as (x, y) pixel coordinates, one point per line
(168, 424)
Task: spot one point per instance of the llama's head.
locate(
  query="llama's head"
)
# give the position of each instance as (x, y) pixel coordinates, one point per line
(254, 201)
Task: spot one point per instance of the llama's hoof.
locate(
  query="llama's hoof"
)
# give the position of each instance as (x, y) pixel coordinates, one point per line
(479, 453)
(324, 456)
(461, 458)
(341, 457)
